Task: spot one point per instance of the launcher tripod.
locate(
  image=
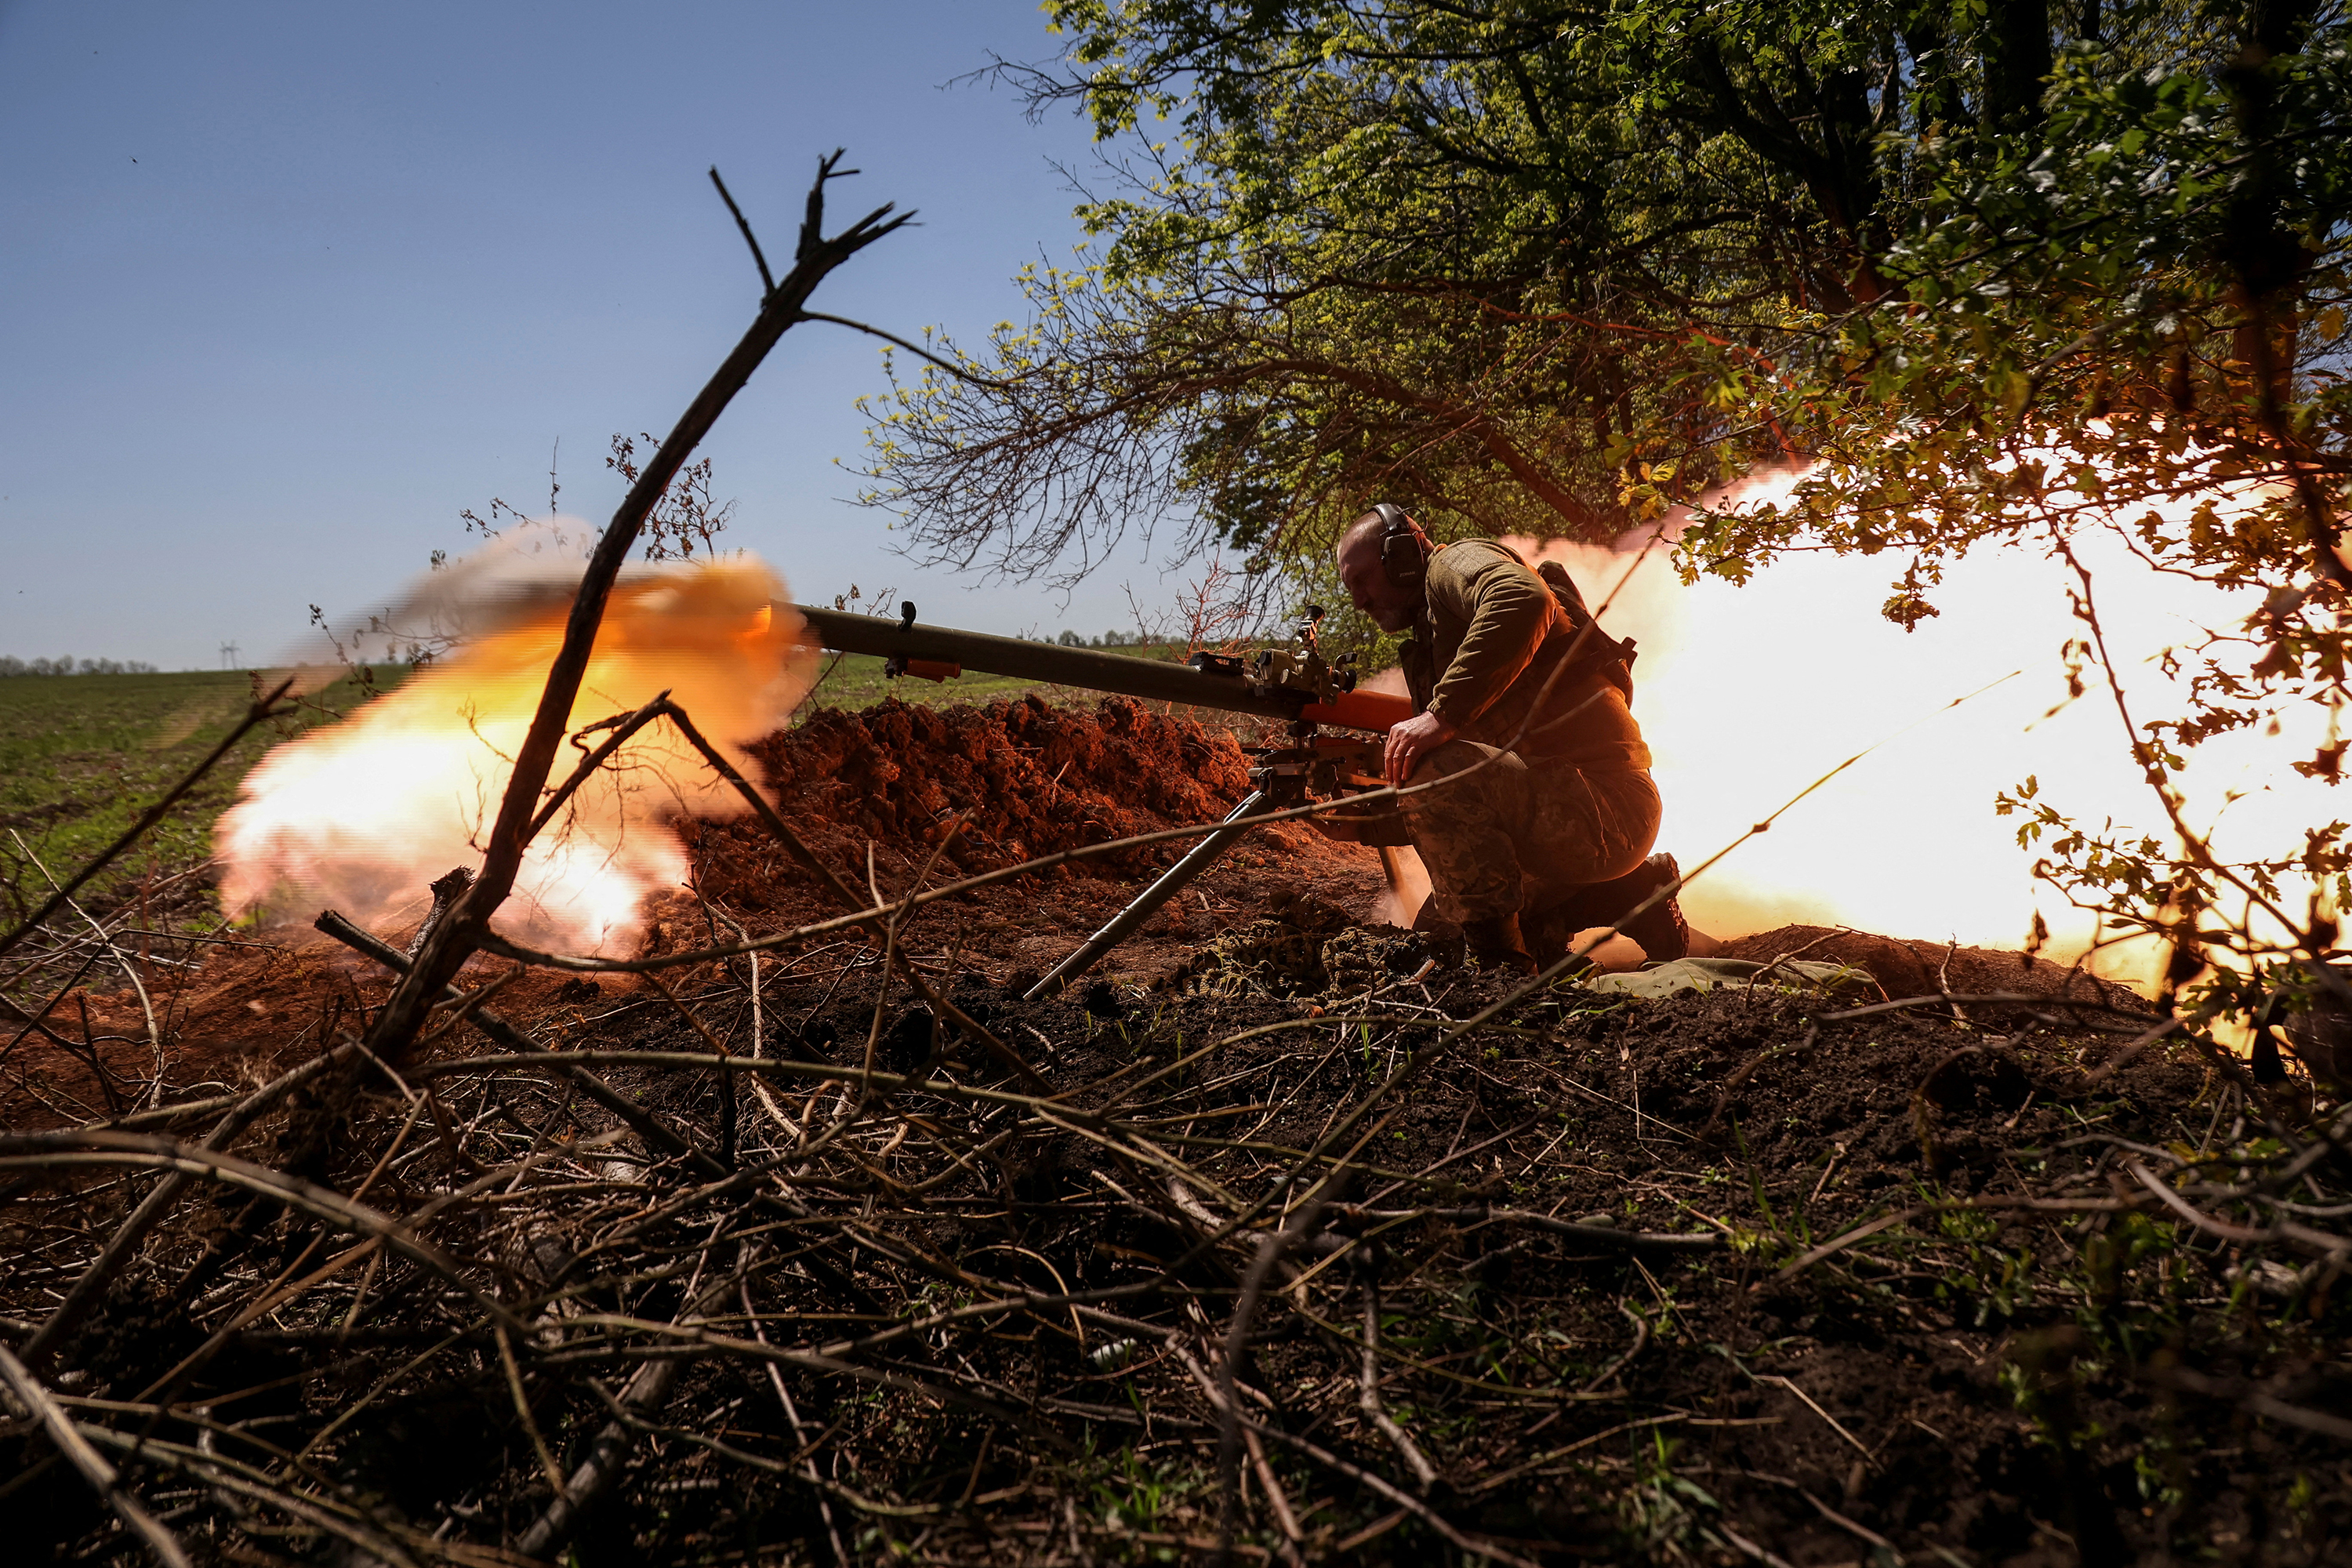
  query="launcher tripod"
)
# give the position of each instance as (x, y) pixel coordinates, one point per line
(1280, 778)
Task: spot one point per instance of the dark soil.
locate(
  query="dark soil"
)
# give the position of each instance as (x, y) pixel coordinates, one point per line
(2064, 1373)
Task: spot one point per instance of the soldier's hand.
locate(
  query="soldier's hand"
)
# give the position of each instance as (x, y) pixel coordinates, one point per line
(1411, 740)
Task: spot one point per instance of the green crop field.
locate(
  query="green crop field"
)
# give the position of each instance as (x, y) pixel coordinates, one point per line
(82, 756)
(855, 680)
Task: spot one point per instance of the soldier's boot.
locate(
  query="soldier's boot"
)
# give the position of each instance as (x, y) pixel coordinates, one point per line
(1549, 932)
(1497, 943)
(1662, 932)
(1441, 938)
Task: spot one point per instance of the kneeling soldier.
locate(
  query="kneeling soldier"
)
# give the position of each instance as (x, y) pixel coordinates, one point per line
(1546, 811)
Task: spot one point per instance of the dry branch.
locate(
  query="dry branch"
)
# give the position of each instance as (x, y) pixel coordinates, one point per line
(456, 939)
(86, 1463)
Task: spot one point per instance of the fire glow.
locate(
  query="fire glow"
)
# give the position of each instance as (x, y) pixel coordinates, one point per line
(360, 815)
(1747, 694)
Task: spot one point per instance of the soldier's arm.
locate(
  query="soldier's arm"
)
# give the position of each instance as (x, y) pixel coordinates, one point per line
(1509, 608)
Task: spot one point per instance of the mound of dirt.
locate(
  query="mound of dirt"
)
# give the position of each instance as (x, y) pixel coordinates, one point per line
(1920, 968)
(997, 784)
(1011, 781)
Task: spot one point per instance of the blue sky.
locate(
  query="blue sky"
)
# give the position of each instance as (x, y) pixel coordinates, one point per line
(285, 287)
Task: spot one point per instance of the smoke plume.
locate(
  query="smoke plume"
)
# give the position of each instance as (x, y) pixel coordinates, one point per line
(361, 816)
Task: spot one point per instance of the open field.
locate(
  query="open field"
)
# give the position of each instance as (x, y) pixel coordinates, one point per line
(855, 680)
(82, 756)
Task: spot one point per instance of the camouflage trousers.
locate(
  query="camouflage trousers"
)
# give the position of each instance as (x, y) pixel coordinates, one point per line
(1505, 833)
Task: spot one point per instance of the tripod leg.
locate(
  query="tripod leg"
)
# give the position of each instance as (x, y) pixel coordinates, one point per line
(1172, 882)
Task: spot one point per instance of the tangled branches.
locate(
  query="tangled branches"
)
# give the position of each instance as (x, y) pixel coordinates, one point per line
(776, 1261)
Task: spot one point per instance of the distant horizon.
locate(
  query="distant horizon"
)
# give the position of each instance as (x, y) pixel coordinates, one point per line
(74, 666)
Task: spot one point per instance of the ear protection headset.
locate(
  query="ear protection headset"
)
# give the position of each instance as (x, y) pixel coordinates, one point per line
(1404, 548)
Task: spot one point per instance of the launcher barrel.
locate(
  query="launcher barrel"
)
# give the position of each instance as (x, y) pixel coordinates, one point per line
(947, 652)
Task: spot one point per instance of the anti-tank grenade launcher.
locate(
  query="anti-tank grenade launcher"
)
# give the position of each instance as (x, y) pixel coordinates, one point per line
(1276, 682)
(1292, 682)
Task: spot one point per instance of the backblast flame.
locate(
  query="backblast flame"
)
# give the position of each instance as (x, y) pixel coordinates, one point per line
(360, 815)
(1749, 693)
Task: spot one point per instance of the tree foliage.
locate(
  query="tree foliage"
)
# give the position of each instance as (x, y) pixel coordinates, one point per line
(2005, 272)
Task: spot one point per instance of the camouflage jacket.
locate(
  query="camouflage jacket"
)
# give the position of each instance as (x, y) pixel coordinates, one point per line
(1488, 635)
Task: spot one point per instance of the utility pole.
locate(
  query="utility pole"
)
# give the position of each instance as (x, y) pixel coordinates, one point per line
(228, 652)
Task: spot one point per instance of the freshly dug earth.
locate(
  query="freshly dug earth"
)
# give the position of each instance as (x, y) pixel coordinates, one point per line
(1010, 782)
(1930, 1309)
(1929, 968)
(992, 786)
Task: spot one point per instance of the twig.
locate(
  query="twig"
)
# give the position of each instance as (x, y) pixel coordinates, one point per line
(767, 279)
(658, 1135)
(87, 1290)
(647, 1391)
(1790, 1384)
(1980, 998)
(122, 961)
(1229, 1445)
(1395, 1494)
(800, 1432)
(1641, 1340)
(1368, 1385)
(546, 1464)
(2252, 1399)
(85, 1460)
(798, 850)
(962, 373)
(54, 1150)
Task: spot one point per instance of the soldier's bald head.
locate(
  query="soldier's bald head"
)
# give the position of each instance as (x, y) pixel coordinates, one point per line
(1391, 607)
(1364, 532)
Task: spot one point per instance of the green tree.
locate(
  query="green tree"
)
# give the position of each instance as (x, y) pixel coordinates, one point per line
(2005, 272)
